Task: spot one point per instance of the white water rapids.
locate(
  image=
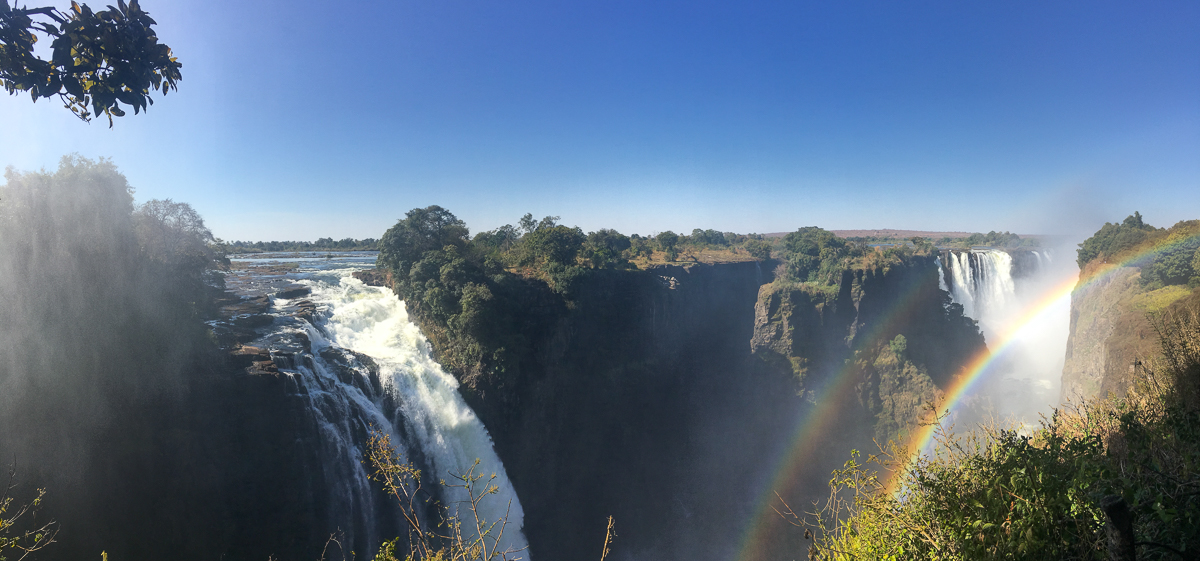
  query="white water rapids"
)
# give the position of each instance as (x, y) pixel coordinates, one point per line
(430, 414)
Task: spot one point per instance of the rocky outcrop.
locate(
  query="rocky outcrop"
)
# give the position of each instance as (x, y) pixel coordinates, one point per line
(293, 291)
(629, 402)
(799, 328)
(374, 277)
(890, 332)
(816, 329)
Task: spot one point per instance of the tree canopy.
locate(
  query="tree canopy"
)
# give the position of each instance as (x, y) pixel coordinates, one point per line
(422, 229)
(1114, 238)
(100, 59)
(810, 249)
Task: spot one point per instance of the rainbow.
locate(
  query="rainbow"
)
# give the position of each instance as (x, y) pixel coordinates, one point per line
(821, 417)
(819, 420)
(922, 439)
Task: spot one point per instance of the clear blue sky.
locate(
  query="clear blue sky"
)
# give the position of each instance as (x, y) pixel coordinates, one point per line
(299, 119)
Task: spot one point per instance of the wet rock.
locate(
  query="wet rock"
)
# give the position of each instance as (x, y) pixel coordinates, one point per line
(246, 306)
(229, 336)
(245, 356)
(253, 321)
(263, 368)
(305, 309)
(355, 369)
(374, 277)
(294, 291)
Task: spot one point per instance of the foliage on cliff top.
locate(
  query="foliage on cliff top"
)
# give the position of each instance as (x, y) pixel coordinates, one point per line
(1114, 239)
(818, 257)
(1007, 494)
(472, 293)
(999, 239)
(1166, 256)
(1007, 240)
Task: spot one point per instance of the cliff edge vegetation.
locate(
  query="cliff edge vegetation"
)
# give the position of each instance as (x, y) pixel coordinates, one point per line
(1130, 272)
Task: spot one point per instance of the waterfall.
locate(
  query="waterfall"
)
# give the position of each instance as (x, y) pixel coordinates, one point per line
(361, 363)
(941, 274)
(980, 280)
(998, 289)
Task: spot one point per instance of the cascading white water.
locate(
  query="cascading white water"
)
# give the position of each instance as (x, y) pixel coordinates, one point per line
(982, 281)
(422, 397)
(941, 274)
(999, 289)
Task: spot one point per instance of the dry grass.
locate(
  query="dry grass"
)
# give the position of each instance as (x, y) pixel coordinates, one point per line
(1156, 300)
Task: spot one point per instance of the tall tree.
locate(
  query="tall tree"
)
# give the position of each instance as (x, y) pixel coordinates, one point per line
(422, 229)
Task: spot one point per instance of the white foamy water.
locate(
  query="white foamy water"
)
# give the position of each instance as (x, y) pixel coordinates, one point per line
(373, 321)
(983, 282)
(1024, 381)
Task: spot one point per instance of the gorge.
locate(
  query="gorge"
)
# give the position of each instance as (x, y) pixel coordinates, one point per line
(677, 397)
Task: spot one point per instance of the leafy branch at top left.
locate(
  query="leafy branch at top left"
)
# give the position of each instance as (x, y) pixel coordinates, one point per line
(99, 59)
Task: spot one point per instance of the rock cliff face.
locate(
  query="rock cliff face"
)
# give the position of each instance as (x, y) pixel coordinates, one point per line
(1096, 310)
(642, 401)
(661, 397)
(851, 330)
(1112, 331)
(232, 466)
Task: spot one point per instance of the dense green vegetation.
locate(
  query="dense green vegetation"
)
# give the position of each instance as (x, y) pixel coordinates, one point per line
(1114, 239)
(322, 244)
(1166, 256)
(818, 257)
(468, 287)
(998, 239)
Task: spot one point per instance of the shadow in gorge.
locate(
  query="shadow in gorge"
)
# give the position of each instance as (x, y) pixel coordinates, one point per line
(646, 404)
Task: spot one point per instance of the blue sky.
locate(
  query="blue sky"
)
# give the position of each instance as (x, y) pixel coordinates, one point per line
(299, 120)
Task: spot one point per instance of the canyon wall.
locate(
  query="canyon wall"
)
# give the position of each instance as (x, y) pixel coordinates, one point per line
(1112, 331)
(665, 397)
